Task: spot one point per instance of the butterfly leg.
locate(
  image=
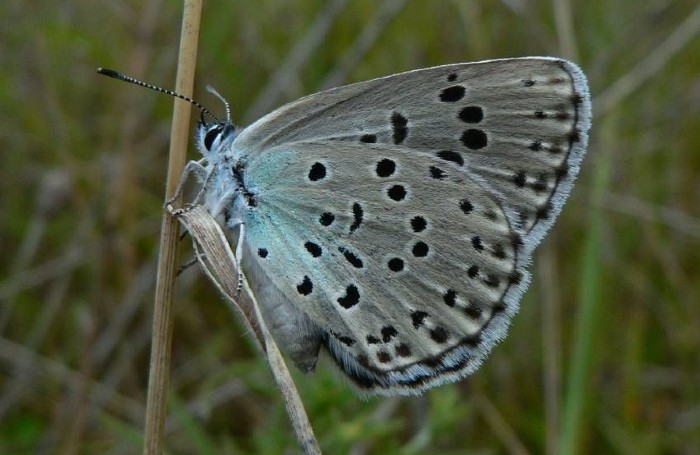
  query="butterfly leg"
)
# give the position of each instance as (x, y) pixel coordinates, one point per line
(239, 249)
(190, 262)
(199, 171)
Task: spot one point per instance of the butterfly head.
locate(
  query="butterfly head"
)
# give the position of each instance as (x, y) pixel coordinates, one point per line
(213, 138)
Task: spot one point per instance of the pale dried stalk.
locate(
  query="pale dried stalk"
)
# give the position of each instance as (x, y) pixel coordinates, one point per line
(156, 407)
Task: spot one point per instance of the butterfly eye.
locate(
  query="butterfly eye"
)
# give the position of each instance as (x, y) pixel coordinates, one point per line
(211, 136)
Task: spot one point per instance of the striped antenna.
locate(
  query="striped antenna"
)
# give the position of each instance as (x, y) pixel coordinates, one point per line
(123, 77)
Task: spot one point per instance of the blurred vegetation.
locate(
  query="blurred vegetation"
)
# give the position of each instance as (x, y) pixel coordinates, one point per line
(604, 356)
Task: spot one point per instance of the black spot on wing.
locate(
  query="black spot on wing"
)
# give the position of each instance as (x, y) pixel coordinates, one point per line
(314, 249)
(352, 258)
(418, 224)
(450, 297)
(368, 138)
(385, 167)
(452, 156)
(400, 125)
(452, 94)
(306, 286)
(437, 173)
(439, 335)
(418, 318)
(420, 249)
(395, 264)
(388, 333)
(326, 219)
(317, 172)
(471, 114)
(397, 193)
(351, 297)
(357, 214)
(474, 139)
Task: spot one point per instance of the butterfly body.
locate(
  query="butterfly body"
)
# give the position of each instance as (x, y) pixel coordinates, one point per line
(392, 220)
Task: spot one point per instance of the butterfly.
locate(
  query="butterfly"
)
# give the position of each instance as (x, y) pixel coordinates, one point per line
(392, 221)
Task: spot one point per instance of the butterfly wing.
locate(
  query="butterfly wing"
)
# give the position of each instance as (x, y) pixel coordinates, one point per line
(399, 214)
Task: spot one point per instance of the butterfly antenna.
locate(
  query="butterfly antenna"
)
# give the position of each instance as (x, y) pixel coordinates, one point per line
(123, 77)
(213, 91)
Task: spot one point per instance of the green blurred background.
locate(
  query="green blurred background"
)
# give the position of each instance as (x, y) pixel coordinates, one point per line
(604, 356)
